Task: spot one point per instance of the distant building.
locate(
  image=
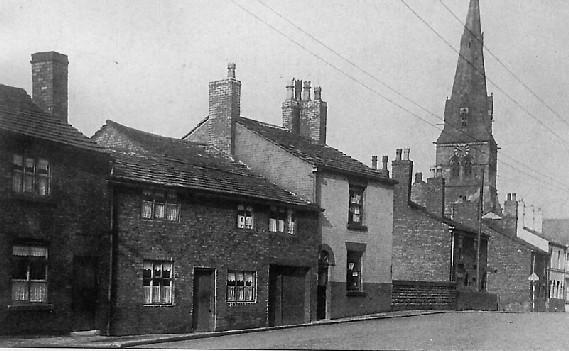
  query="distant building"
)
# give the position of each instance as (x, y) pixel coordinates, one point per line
(557, 230)
(201, 243)
(466, 147)
(354, 274)
(54, 211)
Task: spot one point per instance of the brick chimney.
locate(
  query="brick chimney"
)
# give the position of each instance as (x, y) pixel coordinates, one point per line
(435, 196)
(224, 109)
(302, 115)
(402, 172)
(49, 83)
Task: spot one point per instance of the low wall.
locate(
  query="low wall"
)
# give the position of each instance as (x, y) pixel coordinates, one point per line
(472, 300)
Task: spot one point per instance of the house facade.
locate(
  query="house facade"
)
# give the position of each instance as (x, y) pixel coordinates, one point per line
(54, 221)
(354, 274)
(201, 243)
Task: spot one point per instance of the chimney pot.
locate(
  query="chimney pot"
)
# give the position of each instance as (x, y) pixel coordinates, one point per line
(509, 197)
(374, 162)
(398, 154)
(514, 195)
(406, 154)
(317, 93)
(231, 70)
(384, 160)
(418, 177)
(306, 90)
(297, 89)
(290, 90)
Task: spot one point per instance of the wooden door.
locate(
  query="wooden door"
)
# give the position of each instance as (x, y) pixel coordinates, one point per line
(84, 292)
(203, 301)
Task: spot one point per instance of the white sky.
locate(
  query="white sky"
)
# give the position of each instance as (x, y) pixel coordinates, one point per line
(147, 64)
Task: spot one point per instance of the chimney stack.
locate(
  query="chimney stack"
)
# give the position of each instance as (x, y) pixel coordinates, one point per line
(402, 172)
(49, 83)
(418, 177)
(224, 109)
(374, 162)
(303, 116)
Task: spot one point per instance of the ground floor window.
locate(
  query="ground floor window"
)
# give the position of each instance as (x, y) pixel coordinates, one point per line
(29, 274)
(241, 286)
(157, 282)
(354, 270)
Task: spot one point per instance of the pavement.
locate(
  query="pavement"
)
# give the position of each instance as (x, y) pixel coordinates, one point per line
(88, 340)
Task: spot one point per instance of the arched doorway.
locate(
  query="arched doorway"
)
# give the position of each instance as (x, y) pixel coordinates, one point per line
(325, 260)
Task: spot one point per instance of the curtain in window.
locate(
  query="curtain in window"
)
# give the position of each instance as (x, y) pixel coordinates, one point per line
(166, 284)
(231, 283)
(18, 162)
(291, 222)
(172, 212)
(29, 175)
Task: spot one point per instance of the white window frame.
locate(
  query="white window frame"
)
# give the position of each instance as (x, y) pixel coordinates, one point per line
(241, 293)
(34, 290)
(28, 175)
(160, 205)
(356, 198)
(245, 217)
(153, 285)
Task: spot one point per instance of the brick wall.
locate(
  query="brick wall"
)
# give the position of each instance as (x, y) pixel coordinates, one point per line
(224, 107)
(205, 236)
(72, 221)
(49, 83)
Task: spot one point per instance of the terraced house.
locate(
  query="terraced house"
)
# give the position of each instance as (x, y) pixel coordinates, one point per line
(200, 243)
(54, 221)
(354, 259)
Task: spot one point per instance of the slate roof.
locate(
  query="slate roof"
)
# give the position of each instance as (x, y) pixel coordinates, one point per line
(18, 114)
(177, 163)
(319, 155)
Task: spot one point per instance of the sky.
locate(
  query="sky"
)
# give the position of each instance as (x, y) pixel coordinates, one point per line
(147, 64)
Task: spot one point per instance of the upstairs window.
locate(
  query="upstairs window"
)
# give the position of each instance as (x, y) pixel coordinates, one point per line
(244, 217)
(356, 205)
(30, 175)
(157, 282)
(282, 220)
(160, 205)
(29, 274)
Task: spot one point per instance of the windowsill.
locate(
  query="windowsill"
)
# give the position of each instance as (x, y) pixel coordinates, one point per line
(240, 303)
(31, 307)
(48, 199)
(356, 293)
(357, 227)
(159, 305)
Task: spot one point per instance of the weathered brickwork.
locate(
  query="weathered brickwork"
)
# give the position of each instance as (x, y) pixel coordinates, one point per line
(206, 236)
(73, 221)
(509, 266)
(49, 88)
(224, 107)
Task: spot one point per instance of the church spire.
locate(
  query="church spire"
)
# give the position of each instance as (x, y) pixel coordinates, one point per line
(468, 113)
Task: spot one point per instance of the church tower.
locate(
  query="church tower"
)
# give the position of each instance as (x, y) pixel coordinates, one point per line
(466, 146)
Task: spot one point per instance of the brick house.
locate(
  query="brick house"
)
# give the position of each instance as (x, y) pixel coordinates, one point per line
(433, 256)
(201, 243)
(54, 204)
(354, 274)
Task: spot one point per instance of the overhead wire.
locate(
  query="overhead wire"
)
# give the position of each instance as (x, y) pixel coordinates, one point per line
(335, 67)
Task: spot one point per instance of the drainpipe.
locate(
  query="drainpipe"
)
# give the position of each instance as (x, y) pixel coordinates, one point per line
(112, 243)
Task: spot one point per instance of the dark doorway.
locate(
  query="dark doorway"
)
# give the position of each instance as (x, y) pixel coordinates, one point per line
(287, 286)
(84, 292)
(322, 290)
(203, 302)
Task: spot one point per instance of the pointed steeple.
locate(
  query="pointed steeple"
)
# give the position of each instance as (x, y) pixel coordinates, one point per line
(468, 113)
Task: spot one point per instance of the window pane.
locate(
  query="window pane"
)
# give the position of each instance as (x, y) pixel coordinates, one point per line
(231, 293)
(17, 181)
(249, 221)
(20, 269)
(38, 292)
(240, 293)
(156, 294)
(157, 270)
(43, 185)
(172, 212)
(239, 279)
(248, 294)
(28, 183)
(281, 225)
(38, 269)
(146, 209)
(241, 220)
(43, 166)
(19, 291)
(272, 225)
(159, 210)
(29, 165)
(18, 160)
(147, 293)
(166, 296)
(231, 279)
(167, 270)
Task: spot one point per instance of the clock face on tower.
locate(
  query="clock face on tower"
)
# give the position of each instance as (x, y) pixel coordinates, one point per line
(462, 150)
